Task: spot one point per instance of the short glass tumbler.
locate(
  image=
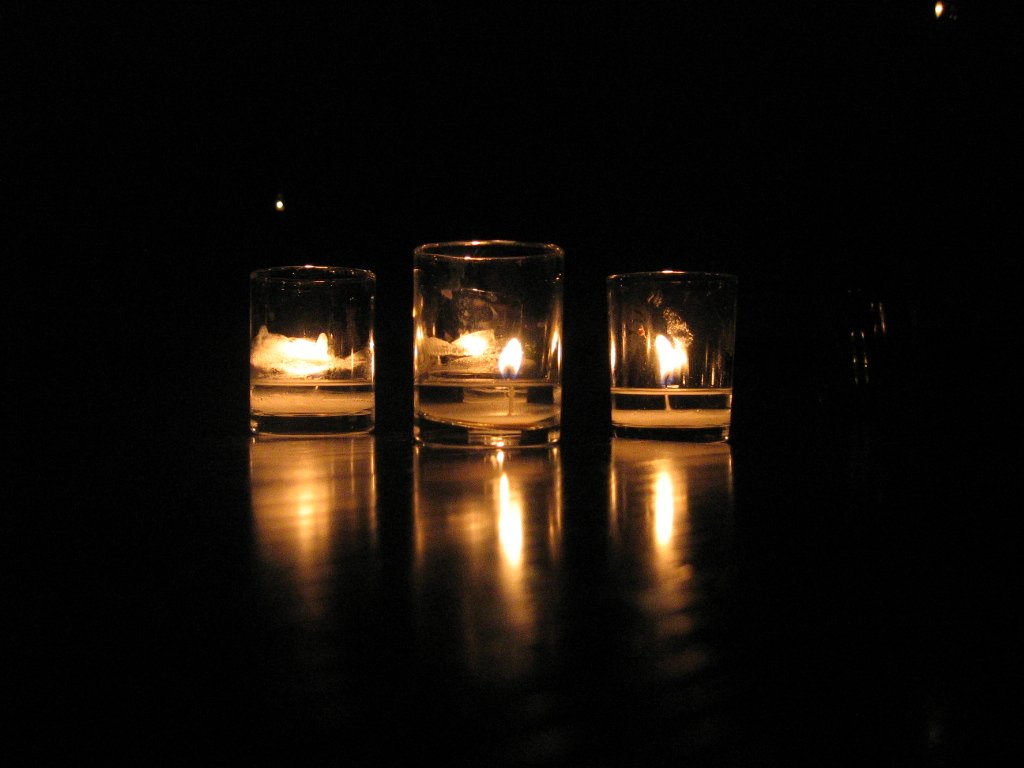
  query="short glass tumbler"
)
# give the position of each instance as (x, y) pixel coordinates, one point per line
(487, 322)
(672, 338)
(311, 364)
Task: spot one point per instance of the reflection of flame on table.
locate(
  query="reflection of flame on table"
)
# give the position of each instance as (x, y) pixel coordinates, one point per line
(670, 508)
(660, 483)
(304, 494)
(664, 508)
(510, 523)
(487, 530)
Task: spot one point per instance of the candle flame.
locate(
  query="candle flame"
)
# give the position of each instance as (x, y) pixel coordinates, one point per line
(939, 8)
(292, 356)
(476, 343)
(511, 358)
(673, 362)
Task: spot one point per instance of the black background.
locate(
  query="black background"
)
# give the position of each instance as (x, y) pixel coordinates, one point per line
(830, 155)
(813, 151)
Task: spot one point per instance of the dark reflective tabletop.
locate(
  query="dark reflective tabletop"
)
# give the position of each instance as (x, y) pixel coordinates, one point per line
(606, 602)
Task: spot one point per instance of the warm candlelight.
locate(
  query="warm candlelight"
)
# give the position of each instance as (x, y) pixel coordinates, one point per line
(671, 337)
(673, 362)
(509, 362)
(300, 377)
(476, 343)
(281, 355)
(487, 343)
(311, 351)
(511, 359)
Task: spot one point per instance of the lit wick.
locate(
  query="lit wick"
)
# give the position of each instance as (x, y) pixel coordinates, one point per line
(673, 362)
(509, 362)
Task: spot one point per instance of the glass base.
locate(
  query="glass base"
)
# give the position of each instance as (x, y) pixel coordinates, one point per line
(688, 435)
(265, 425)
(692, 415)
(444, 435)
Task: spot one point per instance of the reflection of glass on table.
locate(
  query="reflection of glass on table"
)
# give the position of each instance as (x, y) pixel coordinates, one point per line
(488, 533)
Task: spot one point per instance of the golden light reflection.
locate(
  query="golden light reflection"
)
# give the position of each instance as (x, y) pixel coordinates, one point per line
(939, 8)
(510, 524)
(487, 526)
(664, 508)
(499, 458)
(311, 498)
(664, 497)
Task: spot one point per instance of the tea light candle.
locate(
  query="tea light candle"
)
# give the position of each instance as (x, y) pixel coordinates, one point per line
(673, 369)
(479, 403)
(509, 362)
(671, 343)
(311, 351)
(487, 343)
(692, 418)
(300, 377)
(308, 399)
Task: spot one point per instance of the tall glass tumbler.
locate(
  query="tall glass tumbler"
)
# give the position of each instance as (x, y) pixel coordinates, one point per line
(487, 322)
(311, 364)
(672, 338)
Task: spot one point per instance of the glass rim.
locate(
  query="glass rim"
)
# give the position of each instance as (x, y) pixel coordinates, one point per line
(530, 250)
(667, 274)
(312, 273)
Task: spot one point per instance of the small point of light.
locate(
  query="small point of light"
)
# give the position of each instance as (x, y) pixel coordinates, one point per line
(279, 204)
(939, 8)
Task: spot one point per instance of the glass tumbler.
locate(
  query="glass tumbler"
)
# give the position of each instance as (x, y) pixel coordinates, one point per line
(672, 338)
(311, 363)
(487, 323)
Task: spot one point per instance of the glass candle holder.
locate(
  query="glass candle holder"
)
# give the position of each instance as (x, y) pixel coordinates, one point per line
(311, 364)
(487, 322)
(672, 338)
